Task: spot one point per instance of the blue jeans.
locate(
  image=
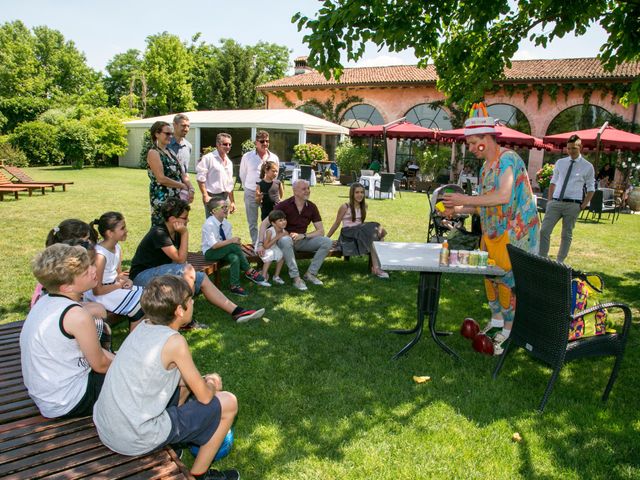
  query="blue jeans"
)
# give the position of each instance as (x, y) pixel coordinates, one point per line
(144, 277)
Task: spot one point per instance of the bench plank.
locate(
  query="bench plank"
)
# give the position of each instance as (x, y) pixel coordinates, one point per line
(200, 264)
(34, 447)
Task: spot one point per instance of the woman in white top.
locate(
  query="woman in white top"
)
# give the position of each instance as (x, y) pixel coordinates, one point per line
(357, 236)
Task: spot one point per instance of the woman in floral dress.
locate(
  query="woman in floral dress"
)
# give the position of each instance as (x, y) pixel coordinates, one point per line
(166, 176)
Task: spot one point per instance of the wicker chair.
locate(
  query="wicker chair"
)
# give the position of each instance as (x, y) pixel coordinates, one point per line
(543, 314)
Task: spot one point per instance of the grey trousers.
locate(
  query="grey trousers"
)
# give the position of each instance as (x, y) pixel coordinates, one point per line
(568, 212)
(251, 207)
(320, 245)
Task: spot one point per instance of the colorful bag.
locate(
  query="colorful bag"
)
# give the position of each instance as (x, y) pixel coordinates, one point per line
(586, 290)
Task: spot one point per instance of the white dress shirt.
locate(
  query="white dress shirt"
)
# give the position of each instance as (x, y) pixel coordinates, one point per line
(250, 168)
(216, 175)
(211, 232)
(581, 174)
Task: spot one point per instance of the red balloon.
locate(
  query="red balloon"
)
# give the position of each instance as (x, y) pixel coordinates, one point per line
(469, 328)
(483, 344)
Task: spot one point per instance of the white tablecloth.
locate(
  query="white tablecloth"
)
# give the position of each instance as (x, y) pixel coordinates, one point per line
(296, 174)
(373, 180)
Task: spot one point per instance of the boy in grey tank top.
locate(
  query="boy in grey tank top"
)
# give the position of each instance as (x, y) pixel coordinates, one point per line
(149, 395)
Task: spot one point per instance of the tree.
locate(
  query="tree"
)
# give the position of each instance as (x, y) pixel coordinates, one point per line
(328, 109)
(20, 73)
(470, 42)
(166, 65)
(227, 76)
(123, 70)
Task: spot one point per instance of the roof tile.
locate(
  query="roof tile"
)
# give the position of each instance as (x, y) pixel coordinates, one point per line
(587, 69)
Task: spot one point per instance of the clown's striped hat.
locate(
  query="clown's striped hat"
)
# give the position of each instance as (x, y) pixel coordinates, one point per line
(479, 122)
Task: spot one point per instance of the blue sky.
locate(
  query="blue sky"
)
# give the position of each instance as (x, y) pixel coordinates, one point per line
(102, 29)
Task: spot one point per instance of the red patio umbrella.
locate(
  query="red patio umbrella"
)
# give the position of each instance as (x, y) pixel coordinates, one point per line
(610, 139)
(508, 138)
(397, 130)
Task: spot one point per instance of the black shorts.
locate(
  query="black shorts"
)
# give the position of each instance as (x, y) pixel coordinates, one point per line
(85, 406)
(193, 422)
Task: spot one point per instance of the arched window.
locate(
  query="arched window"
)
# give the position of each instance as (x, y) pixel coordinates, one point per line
(578, 117)
(511, 116)
(429, 116)
(361, 115)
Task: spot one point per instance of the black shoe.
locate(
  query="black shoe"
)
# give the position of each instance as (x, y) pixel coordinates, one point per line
(194, 326)
(213, 474)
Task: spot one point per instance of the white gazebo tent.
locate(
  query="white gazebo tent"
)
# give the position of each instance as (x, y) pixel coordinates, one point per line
(274, 121)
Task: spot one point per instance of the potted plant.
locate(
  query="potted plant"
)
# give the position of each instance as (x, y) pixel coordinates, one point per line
(350, 158)
(309, 154)
(543, 177)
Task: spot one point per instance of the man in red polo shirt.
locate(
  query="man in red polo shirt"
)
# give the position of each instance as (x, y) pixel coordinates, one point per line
(300, 213)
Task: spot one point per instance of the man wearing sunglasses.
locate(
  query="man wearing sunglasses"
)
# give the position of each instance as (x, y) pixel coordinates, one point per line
(250, 177)
(214, 174)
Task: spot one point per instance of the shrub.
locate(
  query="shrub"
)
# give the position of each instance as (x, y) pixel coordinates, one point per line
(39, 142)
(146, 146)
(543, 176)
(309, 154)
(78, 143)
(248, 145)
(431, 163)
(12, 156)
(110, 134)
(350, 157)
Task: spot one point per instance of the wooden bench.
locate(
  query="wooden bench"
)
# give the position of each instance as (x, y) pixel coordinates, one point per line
(201, 264)
(33, 447)
(253, 257)
(12, 190)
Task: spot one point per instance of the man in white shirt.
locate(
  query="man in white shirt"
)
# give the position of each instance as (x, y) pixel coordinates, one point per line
(570, 175)
(250, 176)
(214, 174)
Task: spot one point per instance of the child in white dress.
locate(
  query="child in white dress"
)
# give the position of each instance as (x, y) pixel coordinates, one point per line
(114, 289)
(272, 252)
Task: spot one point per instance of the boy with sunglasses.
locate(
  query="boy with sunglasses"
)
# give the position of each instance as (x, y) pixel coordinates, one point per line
(218, 243)
(250, 166)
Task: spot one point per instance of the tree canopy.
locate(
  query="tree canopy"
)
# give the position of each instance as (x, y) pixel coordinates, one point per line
(469, 42)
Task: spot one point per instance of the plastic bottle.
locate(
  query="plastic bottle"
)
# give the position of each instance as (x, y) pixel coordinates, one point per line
(444, 254)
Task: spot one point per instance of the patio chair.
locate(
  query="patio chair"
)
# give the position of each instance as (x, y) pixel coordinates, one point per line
(597, 207)
(366, 173)
(398, 180)
(8, 184)
(543, 315)
(305, 172)
(384, 185)
(21, 177)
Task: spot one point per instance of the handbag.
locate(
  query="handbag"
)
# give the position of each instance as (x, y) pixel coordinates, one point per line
(586, 289)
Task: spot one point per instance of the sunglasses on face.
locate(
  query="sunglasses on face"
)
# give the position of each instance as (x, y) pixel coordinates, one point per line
(167, 133)
(263, 141)
(225, 144)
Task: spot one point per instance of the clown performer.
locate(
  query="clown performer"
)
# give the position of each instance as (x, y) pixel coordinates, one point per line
(507, 212)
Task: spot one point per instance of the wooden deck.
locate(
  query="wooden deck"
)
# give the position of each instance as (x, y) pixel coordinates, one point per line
(33, 447)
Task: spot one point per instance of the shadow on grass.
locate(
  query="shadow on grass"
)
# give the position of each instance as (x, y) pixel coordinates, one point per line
(317, 378)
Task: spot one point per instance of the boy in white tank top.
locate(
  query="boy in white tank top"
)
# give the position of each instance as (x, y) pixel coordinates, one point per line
(63, 364)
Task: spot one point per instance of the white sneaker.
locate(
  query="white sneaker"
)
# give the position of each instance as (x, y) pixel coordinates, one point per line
(277, 280)
(499, 343)
(309, 277)
(300, 285)
(264, 284)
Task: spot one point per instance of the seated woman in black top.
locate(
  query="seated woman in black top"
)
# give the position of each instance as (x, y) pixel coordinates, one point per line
(163, 251)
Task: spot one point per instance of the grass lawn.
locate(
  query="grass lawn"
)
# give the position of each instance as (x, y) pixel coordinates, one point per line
(319, 396)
